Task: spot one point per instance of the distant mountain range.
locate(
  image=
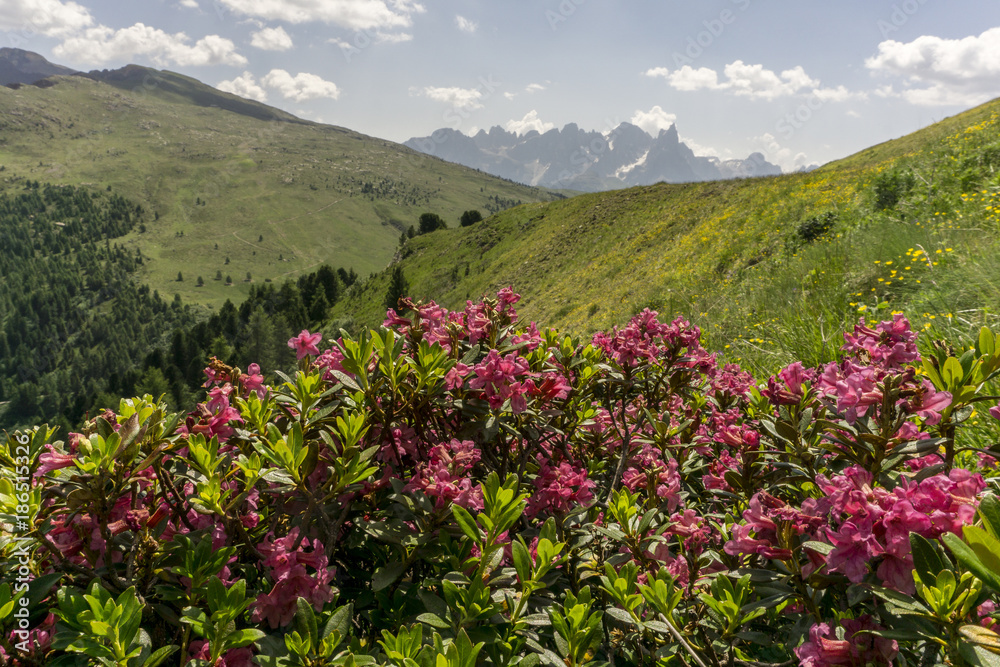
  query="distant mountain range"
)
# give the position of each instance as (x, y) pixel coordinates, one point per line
(590, 161)
(20, 66)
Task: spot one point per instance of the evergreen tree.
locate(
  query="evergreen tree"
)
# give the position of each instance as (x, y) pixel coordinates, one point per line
(430, 222)
(319, 307)
(398, 287)
(470, 218)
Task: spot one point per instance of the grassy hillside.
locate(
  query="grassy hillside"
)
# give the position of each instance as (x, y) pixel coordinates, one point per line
(230, 178)
(771, 268)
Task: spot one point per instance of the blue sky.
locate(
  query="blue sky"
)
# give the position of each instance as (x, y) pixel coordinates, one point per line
(801, 81)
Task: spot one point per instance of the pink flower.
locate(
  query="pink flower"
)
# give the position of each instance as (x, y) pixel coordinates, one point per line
(53, 460)
(929, 403)
(824, 649)
(558, 489)
(648, 471)
(305, 344)
(497, 377)
(253, 382)
(237, 657)
(291, 579)
(444, 478)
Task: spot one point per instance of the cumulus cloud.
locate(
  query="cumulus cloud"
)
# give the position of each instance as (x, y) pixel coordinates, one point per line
(753, 81)
(530, 122)
(48, 17)
(937, 71)
(460, 98)
(352, 14)
(654, 120)
(271, 39)
(301, 87)
(465, 25)
(190, 4)
(103, 44)
(245, 86)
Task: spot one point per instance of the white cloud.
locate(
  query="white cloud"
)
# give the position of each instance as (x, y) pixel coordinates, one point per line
(190, 4)
(271, 39)
(687, 78)
(301, 87)
(103, 44)
(460, 98)
(941, 71)
(352, 14)
(654, 120)
(753, 81)
(530, 122)
(853, 114)
(838, 94)
(244, 86)
(392, 37)
(48, 17)
(534, 88)
(465, 25)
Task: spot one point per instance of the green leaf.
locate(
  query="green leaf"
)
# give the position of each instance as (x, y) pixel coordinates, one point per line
(340, 621)
(305, 621)
(434, 621)
(987, 342)
(620, 615)
(39, 587)
(819, 547)
(989, 509)
(242, 638)
(968, 557)
(387, 574)
(522, 560)
(468, 525)
(159, 656)
(928, 560)
(952, 373)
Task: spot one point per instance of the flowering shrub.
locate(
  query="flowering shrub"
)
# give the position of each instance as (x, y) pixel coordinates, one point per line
(458, 488)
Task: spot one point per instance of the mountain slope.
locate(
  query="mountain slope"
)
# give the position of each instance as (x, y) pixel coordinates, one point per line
(770, 268)
(588, 161)
(235, 188)
(20, 66)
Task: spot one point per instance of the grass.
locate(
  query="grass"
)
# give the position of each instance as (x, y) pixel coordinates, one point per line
(225, 177)
(734, 256)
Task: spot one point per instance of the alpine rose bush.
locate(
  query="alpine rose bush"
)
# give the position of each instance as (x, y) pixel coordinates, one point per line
(461, 487)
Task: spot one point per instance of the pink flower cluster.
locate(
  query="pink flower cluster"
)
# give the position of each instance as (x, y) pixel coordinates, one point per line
(214, 416)
(291, 579)
(648, 470)
(645, 338)
(498, 379)
(871, 522)
(558, 489)
(770, 519)
(854, 385)
(864, 524)
(434, 324)
(445, 477)
(237, 657)
(824, 649)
